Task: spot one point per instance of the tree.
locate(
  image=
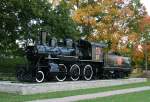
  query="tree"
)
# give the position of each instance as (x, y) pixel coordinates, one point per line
(62, 23)
(110, 21)
(24, 18)
(145, 27)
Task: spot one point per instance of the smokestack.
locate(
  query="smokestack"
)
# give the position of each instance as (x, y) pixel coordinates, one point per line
(43, 37)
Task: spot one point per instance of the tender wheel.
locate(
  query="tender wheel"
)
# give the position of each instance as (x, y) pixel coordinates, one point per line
(61, 76)
(74, 72)
(88, 72)
(39, 76)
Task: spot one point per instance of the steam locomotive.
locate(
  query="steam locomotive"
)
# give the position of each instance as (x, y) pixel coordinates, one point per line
(69, 60)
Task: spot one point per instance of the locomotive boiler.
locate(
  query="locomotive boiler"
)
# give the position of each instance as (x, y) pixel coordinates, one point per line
(71, 60)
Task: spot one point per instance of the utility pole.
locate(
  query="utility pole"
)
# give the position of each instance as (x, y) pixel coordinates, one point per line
(146, 55)
(146, 52)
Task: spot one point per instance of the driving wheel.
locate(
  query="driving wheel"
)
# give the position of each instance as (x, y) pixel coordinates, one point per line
(61, 76)
(74, 72)
(88, 72)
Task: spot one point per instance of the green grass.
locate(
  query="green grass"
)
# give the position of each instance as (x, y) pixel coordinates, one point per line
(5, 97)
(132, 97)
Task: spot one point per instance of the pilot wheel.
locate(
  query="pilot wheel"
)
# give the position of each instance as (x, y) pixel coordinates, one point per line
(39, 76)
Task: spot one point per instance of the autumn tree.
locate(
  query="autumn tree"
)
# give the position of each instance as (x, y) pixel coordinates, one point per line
(112, 21)
(138, 55)
(145, 27)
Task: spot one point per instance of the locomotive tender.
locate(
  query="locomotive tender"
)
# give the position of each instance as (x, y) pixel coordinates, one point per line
(66, 59)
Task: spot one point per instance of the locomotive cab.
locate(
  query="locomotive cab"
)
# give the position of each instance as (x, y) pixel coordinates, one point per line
(85, 50)
(91, 51)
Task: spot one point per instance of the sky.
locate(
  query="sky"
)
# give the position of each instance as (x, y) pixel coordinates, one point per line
(147, 5)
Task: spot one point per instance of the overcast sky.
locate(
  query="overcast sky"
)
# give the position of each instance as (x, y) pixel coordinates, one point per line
(147, 5)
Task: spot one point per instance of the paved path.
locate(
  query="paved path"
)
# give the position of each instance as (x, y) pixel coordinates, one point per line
(95, 95)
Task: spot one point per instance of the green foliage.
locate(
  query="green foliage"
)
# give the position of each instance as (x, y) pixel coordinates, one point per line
(61, 22)
(20, 19)
(8, 65)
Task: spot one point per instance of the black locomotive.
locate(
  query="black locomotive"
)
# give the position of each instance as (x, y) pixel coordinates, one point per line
(66, 59)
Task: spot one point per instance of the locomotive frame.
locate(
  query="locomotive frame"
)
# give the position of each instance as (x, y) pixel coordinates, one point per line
(73, 61)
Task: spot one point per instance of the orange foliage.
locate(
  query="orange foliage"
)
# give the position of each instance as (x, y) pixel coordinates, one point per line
(137, 55)
(133, 37)
(126, 12)
(119, 1)
(86, 15)
(107, 22)
(104, 17)
(145, 22)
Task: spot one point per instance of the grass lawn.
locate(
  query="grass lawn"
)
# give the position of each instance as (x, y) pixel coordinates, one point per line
(132, 97)
(5, 97)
